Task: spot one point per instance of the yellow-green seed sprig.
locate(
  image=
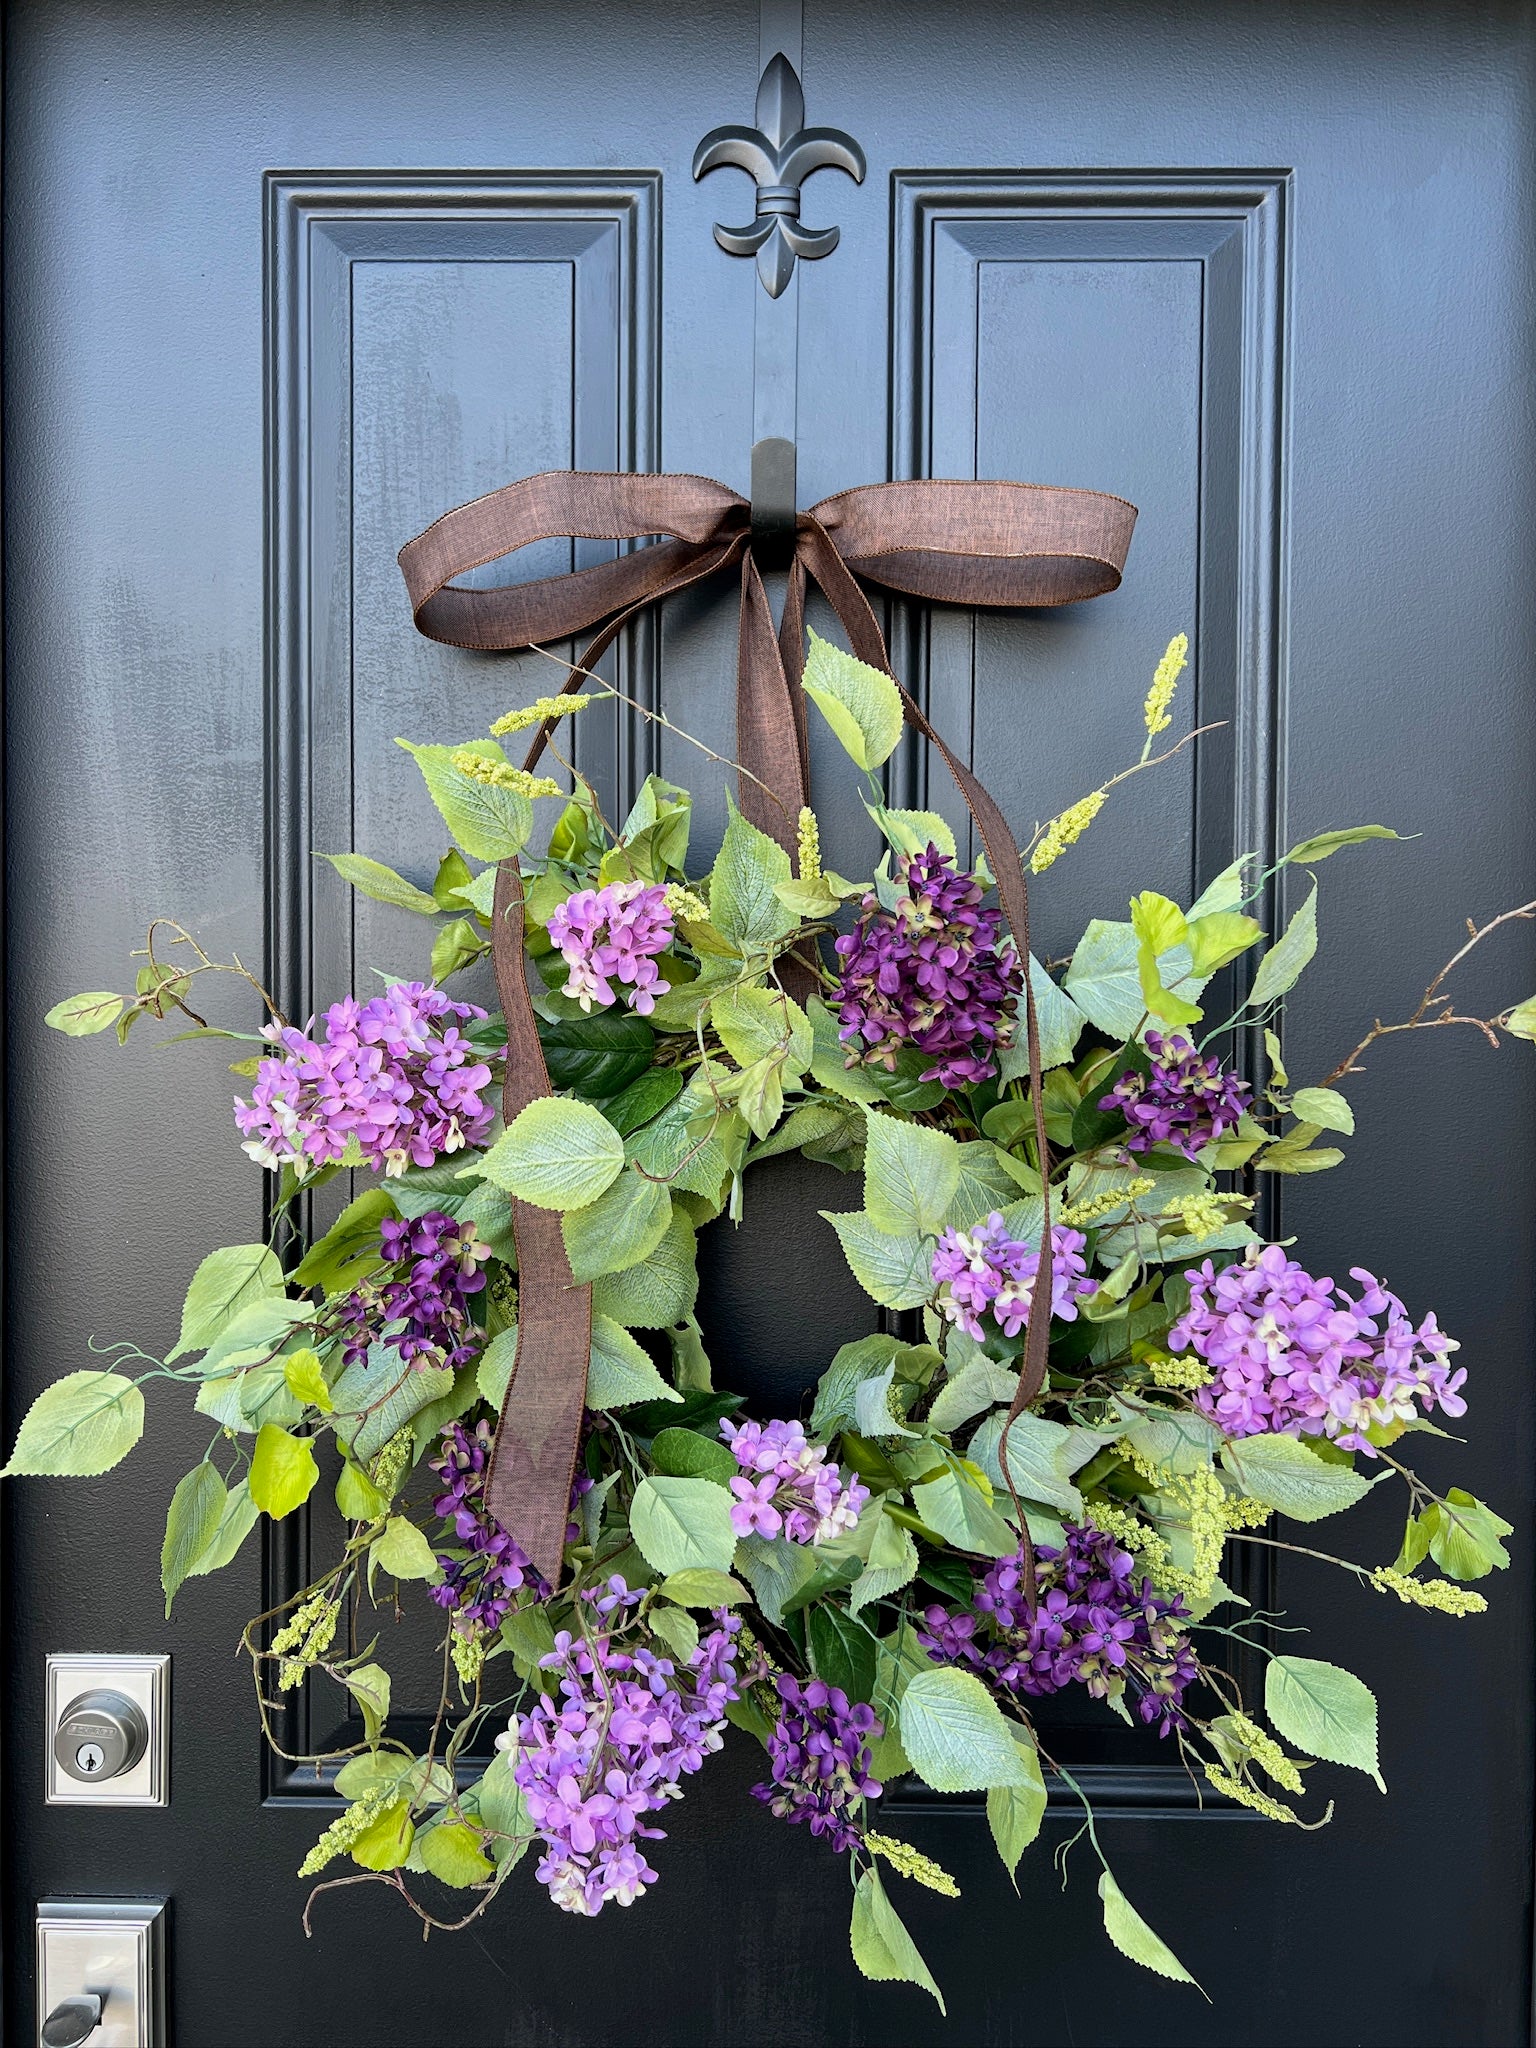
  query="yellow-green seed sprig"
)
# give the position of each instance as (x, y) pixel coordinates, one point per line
(686, 904)
(304, 1639)
(1247, 1795)
(910, 1862)
(1065, 830)
(502, 774)
(1078, 1214)
(1165, 681)
(807, 845)
(1265, 1751)
(1184, 1374)
(1199, 1216)
(346, 1828)
(1438, 1594)
(536, 713)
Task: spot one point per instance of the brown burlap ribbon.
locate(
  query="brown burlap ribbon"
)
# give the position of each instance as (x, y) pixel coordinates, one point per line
(1001, 544)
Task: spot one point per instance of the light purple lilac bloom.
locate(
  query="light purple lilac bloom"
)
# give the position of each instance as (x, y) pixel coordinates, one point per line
(626, 1726)
(1184, 1101)
(1297, 1356)
(985, 1270)
(422, 1311)
(820, 1758)
(1096, 1623)
(477, 1588)
(788, 1486)
(935, 973)
(613, 934)
(391, 1073)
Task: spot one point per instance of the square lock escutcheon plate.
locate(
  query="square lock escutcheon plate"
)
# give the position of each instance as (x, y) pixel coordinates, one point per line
(144, 1685)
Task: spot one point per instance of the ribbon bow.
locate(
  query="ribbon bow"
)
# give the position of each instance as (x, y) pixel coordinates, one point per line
(1002, 544)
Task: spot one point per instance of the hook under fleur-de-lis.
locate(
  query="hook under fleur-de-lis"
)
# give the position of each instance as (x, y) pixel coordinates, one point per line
(780, 153)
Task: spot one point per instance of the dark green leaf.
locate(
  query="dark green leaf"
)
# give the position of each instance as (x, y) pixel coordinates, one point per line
(842, 1652)
(597, 1056)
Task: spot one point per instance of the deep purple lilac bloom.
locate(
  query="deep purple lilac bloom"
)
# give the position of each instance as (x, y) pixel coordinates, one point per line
(1296, 1356)
(422, 1311)
(985, 1270)
(626, 1726)
(1096, 1623)
(789, 1487)
(477, 1588)
(819, 1755)
(1184, 1101)
(612, 934)
(390, 1073)
(935, 973)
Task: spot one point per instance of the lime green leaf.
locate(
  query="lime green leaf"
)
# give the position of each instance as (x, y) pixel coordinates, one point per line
(1014, 1812)
(283, 1471)
(1061, 1025)
(683, 1525)
(1157, 922)
(1219, 937)
(910, 1176)
(1324, 1710)
(1325, 1107)
(810, 900)
(385, 1770)
(1464, 1536)
(913, 831)
(224, 1284)
(191, 1527)
(1226, 892)
(557, 1154)
(955, 1734)
(623, 1226)
(742, 902)
(897, 1271)
(372, 878)
(356, 1495)
(1281, 967)
(81, 1016)
(620, 1372)
(659, 1293)
(306, 1380)
(452, 1852)
(235, 1524)
(1159, 927)
(758, 1023)
(882, 1947)
(1134, 1938)
(1104, 979)
(890, 1565)
(403, 1551)
(386, 1842)
(861, 704)
(488, 821)
(350, 1248)
(1319, 848)
(954, 1505)
(85, 1423)
(1285, 1474)
(369, 1686)
(1521, 1021)
(699, 1588)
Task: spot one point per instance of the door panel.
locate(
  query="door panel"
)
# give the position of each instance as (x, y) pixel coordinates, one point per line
(1264, 271)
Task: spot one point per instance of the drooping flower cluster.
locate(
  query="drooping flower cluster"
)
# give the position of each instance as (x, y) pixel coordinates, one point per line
(1293, 1355)
(935, 973)
(819, 1755)
(788, 1485)
(1096, 1623)
(985, 1270)
(422, 1311)
(626, 1726)
(1184, 1100)
(391, 1073)
(477, 1587)
(612, 935)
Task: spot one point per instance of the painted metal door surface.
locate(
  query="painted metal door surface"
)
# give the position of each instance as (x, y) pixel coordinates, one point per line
(285, 283)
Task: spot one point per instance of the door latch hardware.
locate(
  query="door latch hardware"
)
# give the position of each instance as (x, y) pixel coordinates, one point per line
(101, 1973)
(108, 1730)
(72, 2021)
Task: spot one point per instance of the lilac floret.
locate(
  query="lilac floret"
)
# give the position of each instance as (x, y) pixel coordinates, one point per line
(788, 1486)
(819, 1754)
(612, 935)
(422, 1310)
(1183, 1100)
(478, 1586)
(985, 1271)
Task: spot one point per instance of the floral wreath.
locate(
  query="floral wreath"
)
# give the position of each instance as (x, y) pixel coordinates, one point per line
(888, 1584)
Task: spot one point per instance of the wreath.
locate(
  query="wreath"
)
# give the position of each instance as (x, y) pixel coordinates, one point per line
(963, 1523)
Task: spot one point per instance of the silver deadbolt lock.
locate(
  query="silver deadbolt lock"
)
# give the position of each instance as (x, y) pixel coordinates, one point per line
(101, 1734)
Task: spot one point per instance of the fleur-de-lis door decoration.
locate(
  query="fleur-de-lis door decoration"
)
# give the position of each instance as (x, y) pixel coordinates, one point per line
(780, 153)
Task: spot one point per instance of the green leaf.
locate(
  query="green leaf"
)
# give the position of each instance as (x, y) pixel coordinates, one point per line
(1134, 1938)
(452, 1853)
(1319, 848)
(742, 902)
(1104, 979)
(386, 1770)
(1282, 965)
(913, 831)
(1226, 892)
(556, 1154)
(686, 1454)
(623, 1226)
(1159, 927)
(897, 1271)
(1173, 1438)
(1285, 1474)
(1061, 1025)
(758, 1023)
(1521, 1021)
(842, 1650)
(85, 1423)
(192, 1525)
(643, 1099)
(979, 1384)
(1464, 1536)
(620, 1372)
(306, 1380)
(1014, 1812)
(372, 878)
(691, 1145)
(235, 1524)
(760, 1096)
(955, 1734)
(679, 1631)
(954, 1505)
(683, 1524)
(699, 1588)
(1324, 1710)
(81, 1016)
(494, 1372)
(350, 1248)
(457, 945)
(379, 1395)
(283, 1471)
(244, 1400)
(861, 704)
(597, 1056)
(910, 1177)
(503, 1812)
(1324, 1107)
(224, 1284)
(256, 1335)
(659, 1293)
(369, 1686)
(1220, 937)
(1039, 1457)
(488, 821)
(829, 1060)
(891, 1563)
(776, 1569)
(882, 1947)
(358, 1499)
(403, 1551)
(386, 1842)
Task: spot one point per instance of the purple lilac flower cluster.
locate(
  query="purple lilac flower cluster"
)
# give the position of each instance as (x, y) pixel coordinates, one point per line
(1095, 1623)
(477, 1588)
(613, 934)
(788, 1485)
(935, 973)
(987, 1270)
(1293, 1355)
(423, 1311)
(390, 1073)
(625, 1727)
(819, 1755)
(1184, 1101)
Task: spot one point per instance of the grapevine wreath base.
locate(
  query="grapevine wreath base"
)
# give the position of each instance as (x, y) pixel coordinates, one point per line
(961, 1525)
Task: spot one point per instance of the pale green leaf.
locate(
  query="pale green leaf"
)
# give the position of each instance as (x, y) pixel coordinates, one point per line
(1464, 1536)
(1323, 1710)
(955, 1507)
(910, 1176)
(1325, 1107)
(679, 1631)
(623, 1226)
(683, 1525)
(235, 1524)
(377, 1396)
(1521, 1021)
(357, 1498)
(861, 704)
(1061, 1024)
(1282, 965)
(1104, 979)
(829, 1060)
(369, 1686)
(851, 1363)
(699, 1588)
(226, 1282)
(621, 1372)
(1014, 1812)
(488, 821)
(403, 1551)
(897, 1271)
(1226, 892)
(372, 878)
(659, 1293)
(955, 1734)
(85, 1423)
(1286, 1475)
(192, 1525)
(306, 1380)
(283, 1471)
(452, 1853)
(882, 1947)
(1319, 847)
(914, 831)
(81, 1016)
(1134, 1938)
(890, 1564)
(760, 1023)
(776, 1569)
(742, 902)
(1039, 1457)
(557, 1154)
(980, 1383)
